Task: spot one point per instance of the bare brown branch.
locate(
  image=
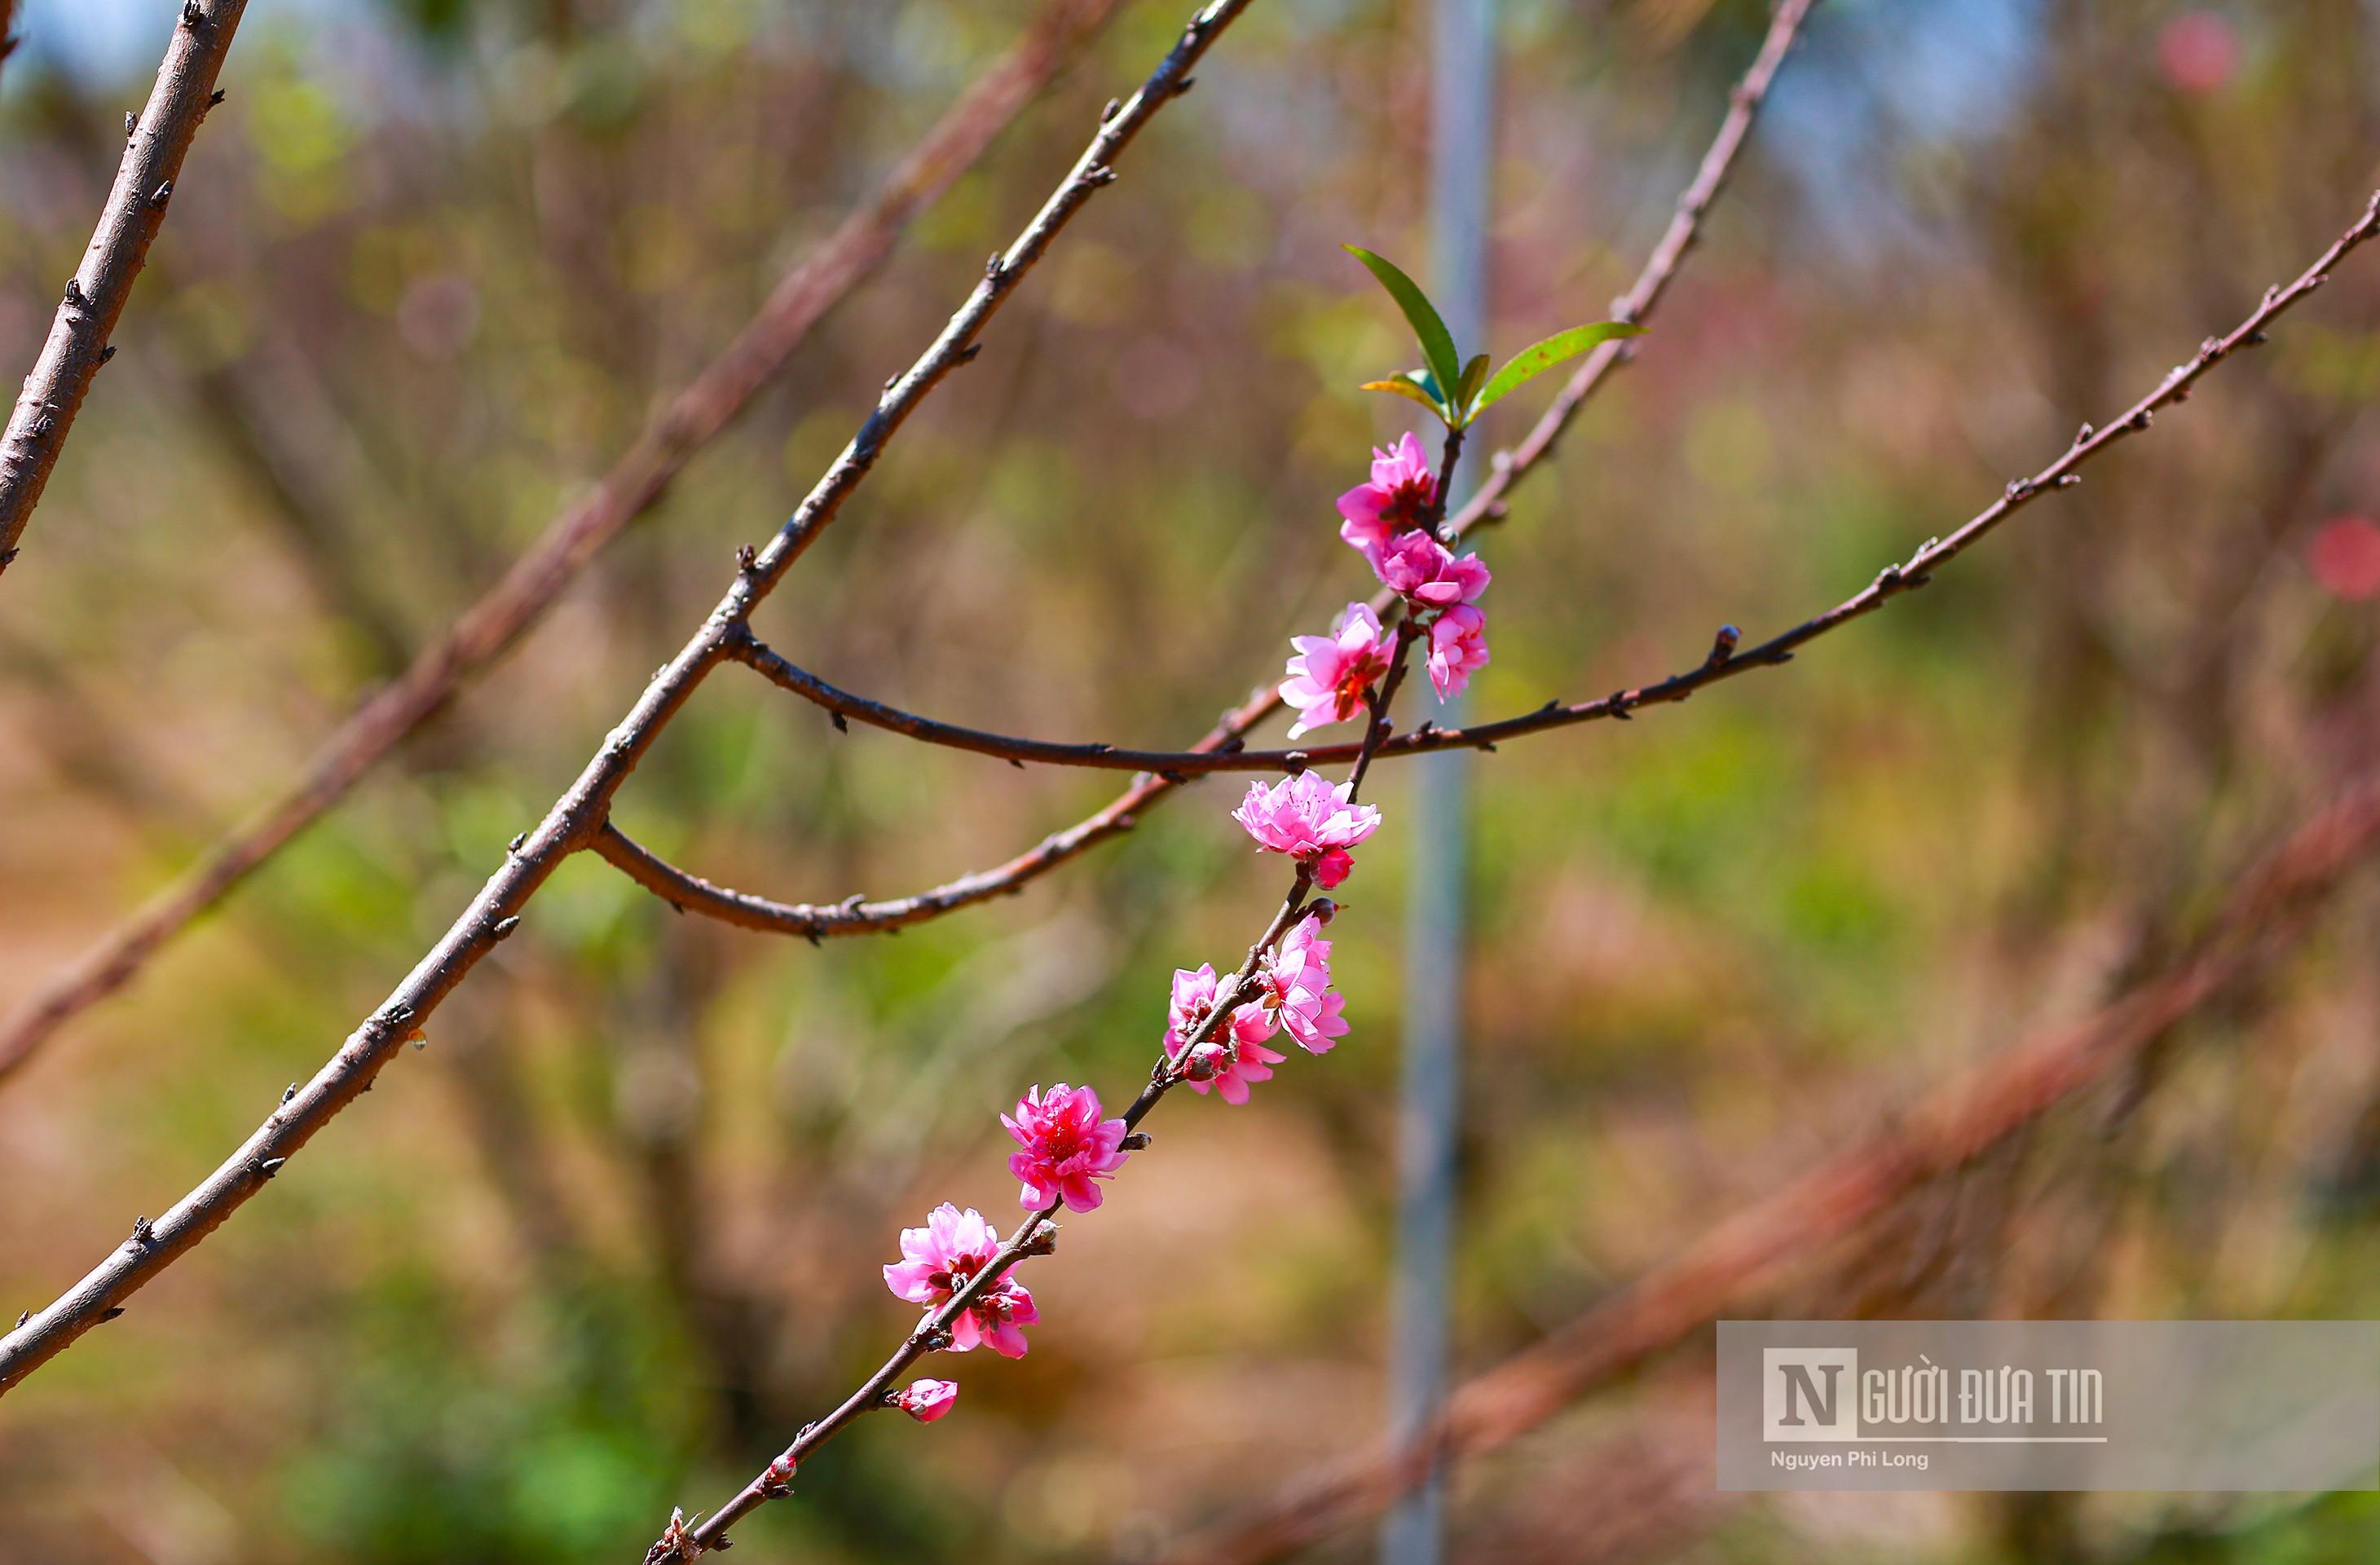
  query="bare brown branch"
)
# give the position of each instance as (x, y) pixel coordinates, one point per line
(1756, 1247)
(1221, 749)
(1122, 813)
(577, 816)
(636, 483)
(86, 318)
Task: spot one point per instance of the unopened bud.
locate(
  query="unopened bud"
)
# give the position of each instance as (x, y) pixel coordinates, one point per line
(1204, 1064)
(927, 1400)
(1323, 908)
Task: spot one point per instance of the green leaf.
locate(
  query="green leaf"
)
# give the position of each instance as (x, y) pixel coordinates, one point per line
(1437, 344)
(1403, 388)
(1531, 362)
(1473, 373)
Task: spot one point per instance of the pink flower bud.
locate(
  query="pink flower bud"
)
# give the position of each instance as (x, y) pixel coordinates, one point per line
(1204, 1064)
(927, 1400)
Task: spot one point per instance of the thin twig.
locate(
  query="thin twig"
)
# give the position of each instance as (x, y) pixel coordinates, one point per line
(1120, 814)
(1221, 749)
(578, 814)
(78, 342)
(634, 485)
(1171, 1068)
(1510, 467)
(1750, 1251)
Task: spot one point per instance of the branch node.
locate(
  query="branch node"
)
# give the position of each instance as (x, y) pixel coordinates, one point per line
(107, 353)
(107, 1314)
(503, 927)
(840, 725)
(142, 1234)
(1293, 762)
(2141, 420)
(1617, 702)
(968, 354)
(161, 194)
(1136, 1142)
(1109, 111)
(131, 124)
(1100, 174)
(2068, 480)
(191, 15)
(289, 1092)
(74, 293)
(2084, 433)
(1723, 648)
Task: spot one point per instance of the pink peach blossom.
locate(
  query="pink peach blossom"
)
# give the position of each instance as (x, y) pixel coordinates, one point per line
(937, 1259)
(1296, 987)
(1310, 820)
(1399, 495)
(1066, 1144)
(2346, 558)
(1332, 675)
(1458, 644)
(1226, 1064)
(1427, 574)
(2198, 51)
(928, 1398)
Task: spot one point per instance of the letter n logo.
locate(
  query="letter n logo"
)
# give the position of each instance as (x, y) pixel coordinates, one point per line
(1809, 1393)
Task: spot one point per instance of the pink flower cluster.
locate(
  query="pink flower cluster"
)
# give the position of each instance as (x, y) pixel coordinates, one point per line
(1065, 1141)
(940, 1259)
(1389, 519)
(1291, 993)
(1310, 820)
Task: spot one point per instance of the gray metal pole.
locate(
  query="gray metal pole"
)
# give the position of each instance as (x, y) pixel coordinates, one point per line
(1463, 156)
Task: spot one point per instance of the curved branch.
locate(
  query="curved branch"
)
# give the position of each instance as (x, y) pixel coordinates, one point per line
(1174, 764)
(78, 343)
(1755, 1248)
(1221, 750)
(579, 813)
(633, 485)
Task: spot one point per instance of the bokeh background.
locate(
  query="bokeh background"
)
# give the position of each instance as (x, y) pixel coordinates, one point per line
(606, 1242)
